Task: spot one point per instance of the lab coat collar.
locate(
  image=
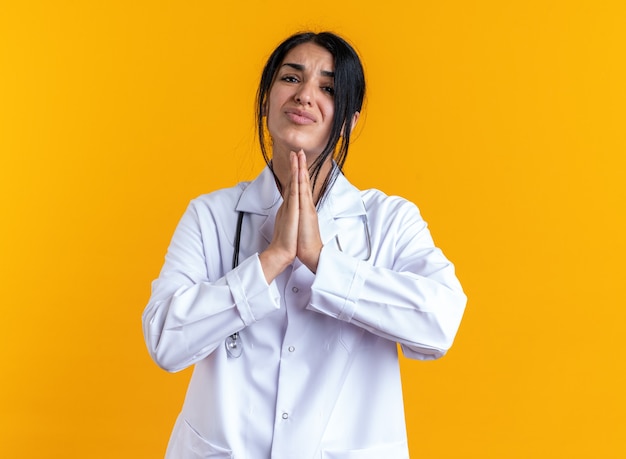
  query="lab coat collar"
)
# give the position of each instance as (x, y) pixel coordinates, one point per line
(261, 197)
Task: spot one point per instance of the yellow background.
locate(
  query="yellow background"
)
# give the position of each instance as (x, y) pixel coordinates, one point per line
(503, 120)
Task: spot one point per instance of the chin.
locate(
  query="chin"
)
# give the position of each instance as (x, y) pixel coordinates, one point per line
(296, 140)
(311, 153)
(309, 149)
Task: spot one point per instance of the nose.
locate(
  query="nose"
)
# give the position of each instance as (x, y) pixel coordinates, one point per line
(303, 95)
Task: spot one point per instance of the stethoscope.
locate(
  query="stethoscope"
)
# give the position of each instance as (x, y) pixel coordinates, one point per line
(233, 344)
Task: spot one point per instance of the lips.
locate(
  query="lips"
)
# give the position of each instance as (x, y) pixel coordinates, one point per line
(300, 116)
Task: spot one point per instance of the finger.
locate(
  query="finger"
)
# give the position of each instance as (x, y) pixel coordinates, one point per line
(305, 192)
(283, 247)
(309, 240)
(302, 166)
(292, 187)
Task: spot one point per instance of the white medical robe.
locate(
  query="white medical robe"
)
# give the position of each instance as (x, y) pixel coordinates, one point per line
(318, 376)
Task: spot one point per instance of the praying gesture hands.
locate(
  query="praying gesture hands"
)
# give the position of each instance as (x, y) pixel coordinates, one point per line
(296, 229)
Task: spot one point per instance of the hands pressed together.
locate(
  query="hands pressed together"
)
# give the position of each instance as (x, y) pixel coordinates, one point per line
(296, 230)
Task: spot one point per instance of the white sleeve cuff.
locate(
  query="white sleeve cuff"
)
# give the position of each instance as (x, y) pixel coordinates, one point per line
(253, 297)
(338, 284)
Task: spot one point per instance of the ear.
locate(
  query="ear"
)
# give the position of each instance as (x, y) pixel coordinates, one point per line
(355, 119)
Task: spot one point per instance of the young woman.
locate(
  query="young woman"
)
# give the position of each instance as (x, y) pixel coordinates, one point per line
(290, 293)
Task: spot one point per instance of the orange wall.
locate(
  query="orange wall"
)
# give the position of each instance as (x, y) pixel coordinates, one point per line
(504, 121)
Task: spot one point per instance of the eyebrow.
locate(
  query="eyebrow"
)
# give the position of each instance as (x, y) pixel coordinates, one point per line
(300, 67)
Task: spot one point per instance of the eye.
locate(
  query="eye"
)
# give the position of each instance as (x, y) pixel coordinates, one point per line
(289, 79)
(329, 89)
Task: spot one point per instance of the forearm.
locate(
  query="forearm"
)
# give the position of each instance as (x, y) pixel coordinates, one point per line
(420, 312)
(186, 320)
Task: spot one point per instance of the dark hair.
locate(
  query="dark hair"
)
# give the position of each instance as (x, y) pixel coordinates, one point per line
(349, 92)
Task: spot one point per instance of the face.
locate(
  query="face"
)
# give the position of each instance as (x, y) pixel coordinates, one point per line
(300, 105)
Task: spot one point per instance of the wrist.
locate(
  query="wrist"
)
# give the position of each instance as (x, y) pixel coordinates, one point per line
(273, 263)
(311, 258)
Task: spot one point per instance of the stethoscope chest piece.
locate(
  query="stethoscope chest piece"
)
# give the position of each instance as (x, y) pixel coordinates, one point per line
(234, 346)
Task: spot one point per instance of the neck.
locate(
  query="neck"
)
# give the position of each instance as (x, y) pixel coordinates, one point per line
(282, 171)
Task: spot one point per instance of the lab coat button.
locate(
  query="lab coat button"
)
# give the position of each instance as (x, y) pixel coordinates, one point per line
(291, 348)
(285, 415)
(295, 289)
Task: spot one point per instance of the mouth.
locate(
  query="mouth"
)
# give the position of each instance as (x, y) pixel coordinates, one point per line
(300, 116)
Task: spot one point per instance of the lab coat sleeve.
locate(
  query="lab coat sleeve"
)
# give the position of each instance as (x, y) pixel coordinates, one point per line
(192, 308)
(411, 296)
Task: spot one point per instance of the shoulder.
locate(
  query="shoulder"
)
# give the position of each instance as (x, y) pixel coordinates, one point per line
(219, 200)
(395, 219)
(392, 214)
(216, 209)
(379, 203)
